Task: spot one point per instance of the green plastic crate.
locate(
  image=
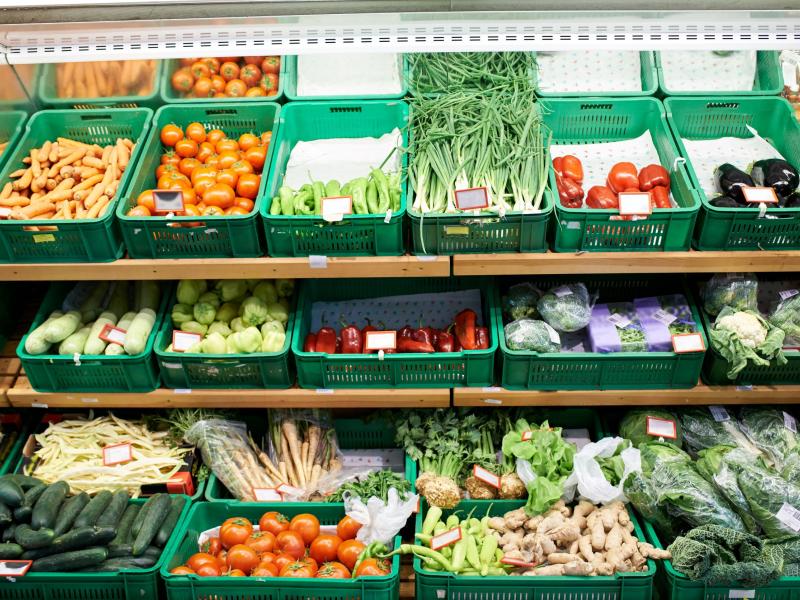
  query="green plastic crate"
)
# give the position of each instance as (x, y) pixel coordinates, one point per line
(84, 240)
(127, 584)
(728, 116)
(59, 373)
(12, 124)
(350, 433)
(290, 85)
(15, 428)
(528, 370)
(355, 235)
(206, 515)
(769, 79)
(170, 96)
(196, 237)
(436, 585)
(46, 91)
(578, 121)
(649, 80)
(437, 370)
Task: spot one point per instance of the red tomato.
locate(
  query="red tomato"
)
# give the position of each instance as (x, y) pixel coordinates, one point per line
(186, 148)
(205, 151)
(269, 83)
(307, 525)
(242, 557)
(242, 167)
(349, 551)
(139, 211)
(265, 569)
(290, 542)
(347, 528)
(214, 136)
(228, 177)
(202, 184)
(217, 84)
(182, 571)
(274, 522)
(227, 158)
(190, 210)
(195, 131)
(267, 556)
(226, 145)
(261, 541)
(182, 80)
(296, 569)
(323, 548)
(171, 134)
(373, 567)
(271, 64)
(209, 570)
(235, 530)
(283, 559)
(164, 168)
(244, 203)
(170, 158)
(235, 88)
(247, 141)
(254, 91)
(188, 165)
(236, 573)
(145, 199)
(250, 74)
(172, 180)
(253, 60)
(256, 157)
(333, 570)
(213, 211)
(199, 559)
(220, 195)
(202, 87)
(200, 69)
(229, 70)
(235, 210)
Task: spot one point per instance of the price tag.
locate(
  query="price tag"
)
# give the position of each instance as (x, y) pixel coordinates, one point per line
(786, 294)
(562, 291)
(289, 490)
(760, 194)
(516, 562)
(719, 413)
(112, 335)
(317, 261)
(183, 340)
(634, 203)
(14, 568)
(267, 495)
(446, 538)
(789, 422)
(117, 453)
(789, 516)
(688, 342)
(168, 201)
(741, 594)
(380, 340)
(486, 476)
(661, 428)
(664, 317)
(527, 436)
(334, 208)
(472, 198)
(492, 401)
(44, 238)
(620, 321)
(456, 229)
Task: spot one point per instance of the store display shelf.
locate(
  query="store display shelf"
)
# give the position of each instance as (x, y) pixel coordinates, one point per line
(9, 369)
(22, 395)
(699, 395)
(586, 263)
(233, 268)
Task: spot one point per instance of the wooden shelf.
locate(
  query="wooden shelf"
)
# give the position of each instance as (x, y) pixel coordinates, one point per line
(22, 395)
(587, 263)
(231, 268)
(699, 395)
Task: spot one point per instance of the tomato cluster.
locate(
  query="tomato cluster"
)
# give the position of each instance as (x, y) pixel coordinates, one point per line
(283, 548)
(217, 175)
(227, 77)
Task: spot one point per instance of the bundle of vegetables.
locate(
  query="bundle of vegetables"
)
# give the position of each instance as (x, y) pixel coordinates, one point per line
(58, 532)
(229, 76)
(226, 315)
(744, 337)
(100, 318)
(373, 195)
(701, 429)
(375, 484)
(482, 139)
(72, 451)
(774, 173)
(433, 73)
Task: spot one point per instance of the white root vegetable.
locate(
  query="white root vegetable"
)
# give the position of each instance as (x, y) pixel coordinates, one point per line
(585, 548)
(579, 568)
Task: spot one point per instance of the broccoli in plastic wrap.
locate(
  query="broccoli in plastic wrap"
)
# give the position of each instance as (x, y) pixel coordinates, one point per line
(736, 290)
(533, 335)
(566, 307)
(520, 301)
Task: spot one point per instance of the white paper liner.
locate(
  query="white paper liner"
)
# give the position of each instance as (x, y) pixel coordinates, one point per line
(355, 75)
(589, 71)
(703, 70)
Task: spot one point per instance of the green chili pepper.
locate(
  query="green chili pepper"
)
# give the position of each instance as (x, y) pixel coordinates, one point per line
(372, 197)
(459, 554)
(275, 207)
(333, 188)
(286, 195)
(358, 190)
(452, 521)
(384, 199)
(319, 193)
(303, 204)
(431, 519)
(473, 558)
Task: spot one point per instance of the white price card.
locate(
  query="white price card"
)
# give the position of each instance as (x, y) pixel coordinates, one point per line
(634, 203)
(446, 538)
(380, 340)
(334, 208)
(116, 454)
(661, 428)
(183, 340)
(168, 201)
(760, 194)
(620, 321)
(112, 335)
(664, 317)
(741, 594)
(289, 490)
(786, 294)
(719, 413)
(789, 516)
(486, 476)
(267, 495)
(14, 568)
(789, 422)
(688, 342)
(472, 198)
(527, 435)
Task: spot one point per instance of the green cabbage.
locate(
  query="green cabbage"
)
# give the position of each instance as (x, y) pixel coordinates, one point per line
(634, 426)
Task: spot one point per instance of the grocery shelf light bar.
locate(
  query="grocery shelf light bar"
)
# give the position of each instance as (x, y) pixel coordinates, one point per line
(402, 32)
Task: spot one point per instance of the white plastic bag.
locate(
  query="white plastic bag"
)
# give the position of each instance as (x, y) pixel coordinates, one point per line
(588, 478)
(380, 522)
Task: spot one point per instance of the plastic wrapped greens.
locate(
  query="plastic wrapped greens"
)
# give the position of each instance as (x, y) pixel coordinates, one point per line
(786, 316)
(736, 290)
(615, 327)
(661, 317)
(703, 428)
(773, 431)
(520, 301)
(533, 335)
(567, 307)
(634, 426)
(766, 494)
(719, 465)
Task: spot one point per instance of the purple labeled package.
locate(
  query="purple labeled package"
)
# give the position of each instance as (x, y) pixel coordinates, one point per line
(614, 327)
(662, 317)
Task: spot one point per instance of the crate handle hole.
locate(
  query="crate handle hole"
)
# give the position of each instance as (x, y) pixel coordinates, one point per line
(40, 229)
(103, 117)
(722, 105)
(220, 111)
(341, 109)
(606, 106)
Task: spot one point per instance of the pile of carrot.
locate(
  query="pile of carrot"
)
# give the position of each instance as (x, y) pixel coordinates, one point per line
(65, 179)
(106, 78)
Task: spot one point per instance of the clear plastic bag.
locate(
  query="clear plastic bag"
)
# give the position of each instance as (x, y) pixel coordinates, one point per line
(532, 335)
(380, 521)
(566, 307)
(737, 290)
(773, 431)
(520, 301)
(589, 477)
(786, 316)
(701, 430)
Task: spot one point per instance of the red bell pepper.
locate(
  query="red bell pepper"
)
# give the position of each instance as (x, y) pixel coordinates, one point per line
(569, 167)
(652, 176)
(446, 342)
(569, 193)
(424, 334)
(622, 176)
(405, 332)
(600, 196)
(659, 197)
(368, 327)
(352, 342)
(482, 338)
(465, 328)
(409, 345)
(326, 340)
(310, 343)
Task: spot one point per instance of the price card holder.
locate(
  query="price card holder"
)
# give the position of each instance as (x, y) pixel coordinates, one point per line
(486, 476)
(664, 428)
(334, 208)
(183, 340)
(112, 335)
(381, 340)
(527, 435)
(14, 568)
(635, 204)
(267, 495)
(688, 342)
(445, 539)
(741, 593)
(181, 483)
(168, 201)
(472, 198)
(116, 454)
(760, 194)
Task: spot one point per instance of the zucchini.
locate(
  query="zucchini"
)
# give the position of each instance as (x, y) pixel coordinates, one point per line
(114, 510)
(125, 523)
(74, 540)
(5, 515)
(159, 509)
(24, 481)
(176, 508)
(71, 561)
(46, 508)
(69, 512)
(8, 533)
(11, 493)
(32, 539)
(92, 511)
(10, 550)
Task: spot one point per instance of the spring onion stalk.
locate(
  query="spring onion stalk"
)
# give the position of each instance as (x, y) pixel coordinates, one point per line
(460, 71)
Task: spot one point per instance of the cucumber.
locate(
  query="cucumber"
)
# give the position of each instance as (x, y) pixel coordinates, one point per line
(46, 508)
(8, 533)
(125, 523)
(24, 481)
(11, 493)
(30, 539)
(176, 508)
(5, 515)
(137, 522)
(69, 512)
(71, 561)
(159, 509)
(122, 550)
(114, 510)
(92, 511)
(74, 540)
(120, 563)
(10, 550)
(22, 514)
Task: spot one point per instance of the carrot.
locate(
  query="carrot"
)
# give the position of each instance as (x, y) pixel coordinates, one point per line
(34, 210)
(51, 184)
(27, 160)
(91, 161)
(35, 166)
(123, 154)
(65, 209)
(89, 182)
(95, 209)
(44, 151)
(38, 183)
(24, 181)
(53, 157)
(15, 201)
(17, 174)
(73, 156)
(6, 192)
